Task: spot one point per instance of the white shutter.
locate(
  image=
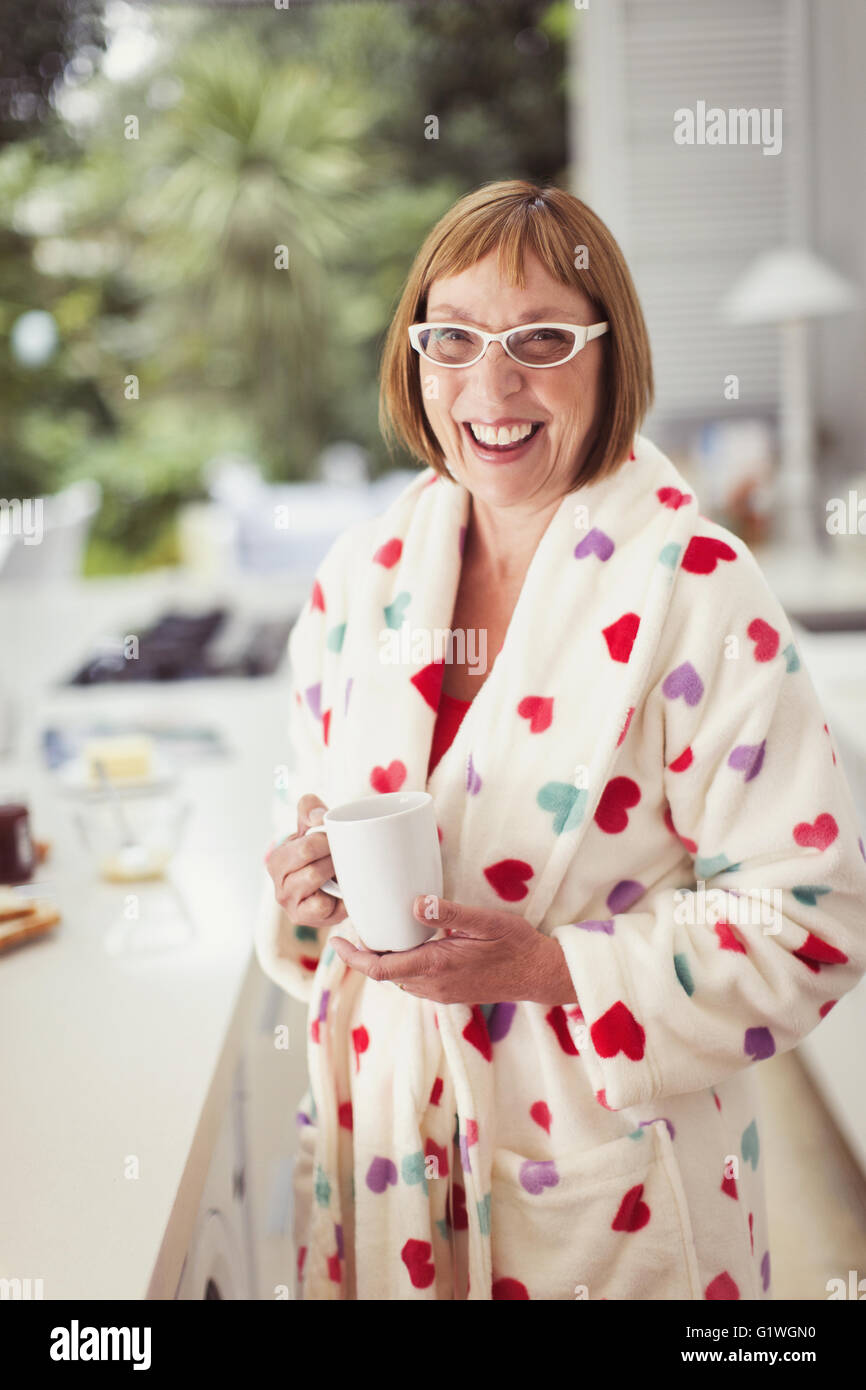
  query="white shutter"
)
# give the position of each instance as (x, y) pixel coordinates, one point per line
(690, 218)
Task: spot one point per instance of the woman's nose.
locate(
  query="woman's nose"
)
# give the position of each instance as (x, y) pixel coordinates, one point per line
(496, 369)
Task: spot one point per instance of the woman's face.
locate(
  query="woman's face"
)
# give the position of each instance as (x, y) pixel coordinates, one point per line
(499, 391)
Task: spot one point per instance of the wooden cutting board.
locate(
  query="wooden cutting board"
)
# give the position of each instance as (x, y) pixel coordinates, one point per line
(23, 918)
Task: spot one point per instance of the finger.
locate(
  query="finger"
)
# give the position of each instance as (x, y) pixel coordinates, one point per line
(458, 918)
(296, 854)
(322, 909)
(310, 811)
(308, 880)
(392, 966)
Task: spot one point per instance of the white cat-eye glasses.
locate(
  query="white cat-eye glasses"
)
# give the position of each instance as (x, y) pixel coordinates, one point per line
(530, 344)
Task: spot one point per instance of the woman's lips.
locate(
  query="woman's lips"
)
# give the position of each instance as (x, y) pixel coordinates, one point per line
(504, 453)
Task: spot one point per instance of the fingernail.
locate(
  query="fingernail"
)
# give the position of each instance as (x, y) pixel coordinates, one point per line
(316, 815)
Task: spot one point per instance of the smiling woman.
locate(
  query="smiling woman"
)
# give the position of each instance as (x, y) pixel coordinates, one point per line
(552, 1097)
(540, 257)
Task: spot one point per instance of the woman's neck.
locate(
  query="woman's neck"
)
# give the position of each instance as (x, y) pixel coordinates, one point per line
(502, 541)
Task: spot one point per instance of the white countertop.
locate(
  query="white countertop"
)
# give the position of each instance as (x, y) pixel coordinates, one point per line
(111, 1030)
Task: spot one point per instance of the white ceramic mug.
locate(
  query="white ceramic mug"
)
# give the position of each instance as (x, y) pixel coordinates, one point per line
(385, 850)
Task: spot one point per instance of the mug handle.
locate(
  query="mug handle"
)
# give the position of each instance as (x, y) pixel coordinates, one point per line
(330, 885)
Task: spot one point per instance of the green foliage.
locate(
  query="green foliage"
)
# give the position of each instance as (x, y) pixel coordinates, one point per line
(262, 136)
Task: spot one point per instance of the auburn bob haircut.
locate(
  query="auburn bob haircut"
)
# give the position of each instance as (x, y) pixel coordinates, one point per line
(514, 217)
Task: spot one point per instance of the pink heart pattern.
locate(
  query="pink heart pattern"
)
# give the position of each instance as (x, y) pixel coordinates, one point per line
(821, 833)
(538, 709)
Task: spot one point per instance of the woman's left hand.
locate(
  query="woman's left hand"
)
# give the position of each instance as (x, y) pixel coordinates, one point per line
(485, 958)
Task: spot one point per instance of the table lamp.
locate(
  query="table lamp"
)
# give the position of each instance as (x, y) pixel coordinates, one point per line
(789, 286)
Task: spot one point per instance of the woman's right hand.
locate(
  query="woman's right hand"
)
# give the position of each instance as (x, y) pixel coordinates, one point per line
(300, 865)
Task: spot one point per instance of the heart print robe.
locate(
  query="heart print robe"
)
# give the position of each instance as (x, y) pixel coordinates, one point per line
(646, 775)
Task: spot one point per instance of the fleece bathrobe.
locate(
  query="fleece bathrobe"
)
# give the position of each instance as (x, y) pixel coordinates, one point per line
(646, 775)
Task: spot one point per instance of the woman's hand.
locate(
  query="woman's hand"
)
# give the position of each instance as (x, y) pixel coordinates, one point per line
(485, 958)
(299, 866)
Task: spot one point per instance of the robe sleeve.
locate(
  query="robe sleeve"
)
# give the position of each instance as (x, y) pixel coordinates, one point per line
(681, 992)
(288, 952)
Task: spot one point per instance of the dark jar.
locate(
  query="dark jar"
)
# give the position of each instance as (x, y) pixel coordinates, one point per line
(17, 851)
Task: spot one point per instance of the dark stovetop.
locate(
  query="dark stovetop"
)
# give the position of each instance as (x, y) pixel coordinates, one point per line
(189, 646)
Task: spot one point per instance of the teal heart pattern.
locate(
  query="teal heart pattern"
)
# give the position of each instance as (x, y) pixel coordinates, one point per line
(684, 974)
(334, 639)
(809, 893)
(395, 611)
(749, 1146)
(566, 801)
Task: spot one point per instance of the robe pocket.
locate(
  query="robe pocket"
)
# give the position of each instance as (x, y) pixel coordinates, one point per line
(609, 1222)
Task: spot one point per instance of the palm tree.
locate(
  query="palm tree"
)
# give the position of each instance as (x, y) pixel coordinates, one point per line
(255, 169)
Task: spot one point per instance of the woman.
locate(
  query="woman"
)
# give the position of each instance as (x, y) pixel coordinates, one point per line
(552, 1098)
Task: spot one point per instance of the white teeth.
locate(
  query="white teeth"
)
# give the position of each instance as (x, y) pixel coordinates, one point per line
(489, 434)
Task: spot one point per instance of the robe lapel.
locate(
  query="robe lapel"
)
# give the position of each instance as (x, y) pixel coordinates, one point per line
(519, 786)
(390, 687)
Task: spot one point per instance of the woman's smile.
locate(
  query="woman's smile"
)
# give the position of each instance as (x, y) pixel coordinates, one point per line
(501, 441)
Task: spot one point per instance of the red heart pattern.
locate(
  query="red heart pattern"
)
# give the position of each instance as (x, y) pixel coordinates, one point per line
(821, 833)
(722, 1287)
(360, 1043)
(765, 638)
(685, 759)
(633, 1213)
(672, 497)
(729, 940)
(416, 1257)
(476, 1033)
(611, 814)
(508, 878)
(509, 1289)
(433, 1150)
(428, 683)
(703, 554)
(390, 778)
(541, 1114)
(618, 1031)
(389, 553)
(814, 953)
(558, 1021)
(456, 1214)
(620, 636)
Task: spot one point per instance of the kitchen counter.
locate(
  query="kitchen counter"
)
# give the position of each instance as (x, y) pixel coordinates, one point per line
(118, 1035)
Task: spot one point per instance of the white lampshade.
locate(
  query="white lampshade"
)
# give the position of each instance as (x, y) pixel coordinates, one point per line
(789, 283)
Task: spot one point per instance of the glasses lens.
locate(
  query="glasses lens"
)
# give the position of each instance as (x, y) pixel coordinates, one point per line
(539, 346)
(450, 344)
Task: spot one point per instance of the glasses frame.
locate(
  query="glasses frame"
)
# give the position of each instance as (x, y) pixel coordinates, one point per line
(594, 330)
